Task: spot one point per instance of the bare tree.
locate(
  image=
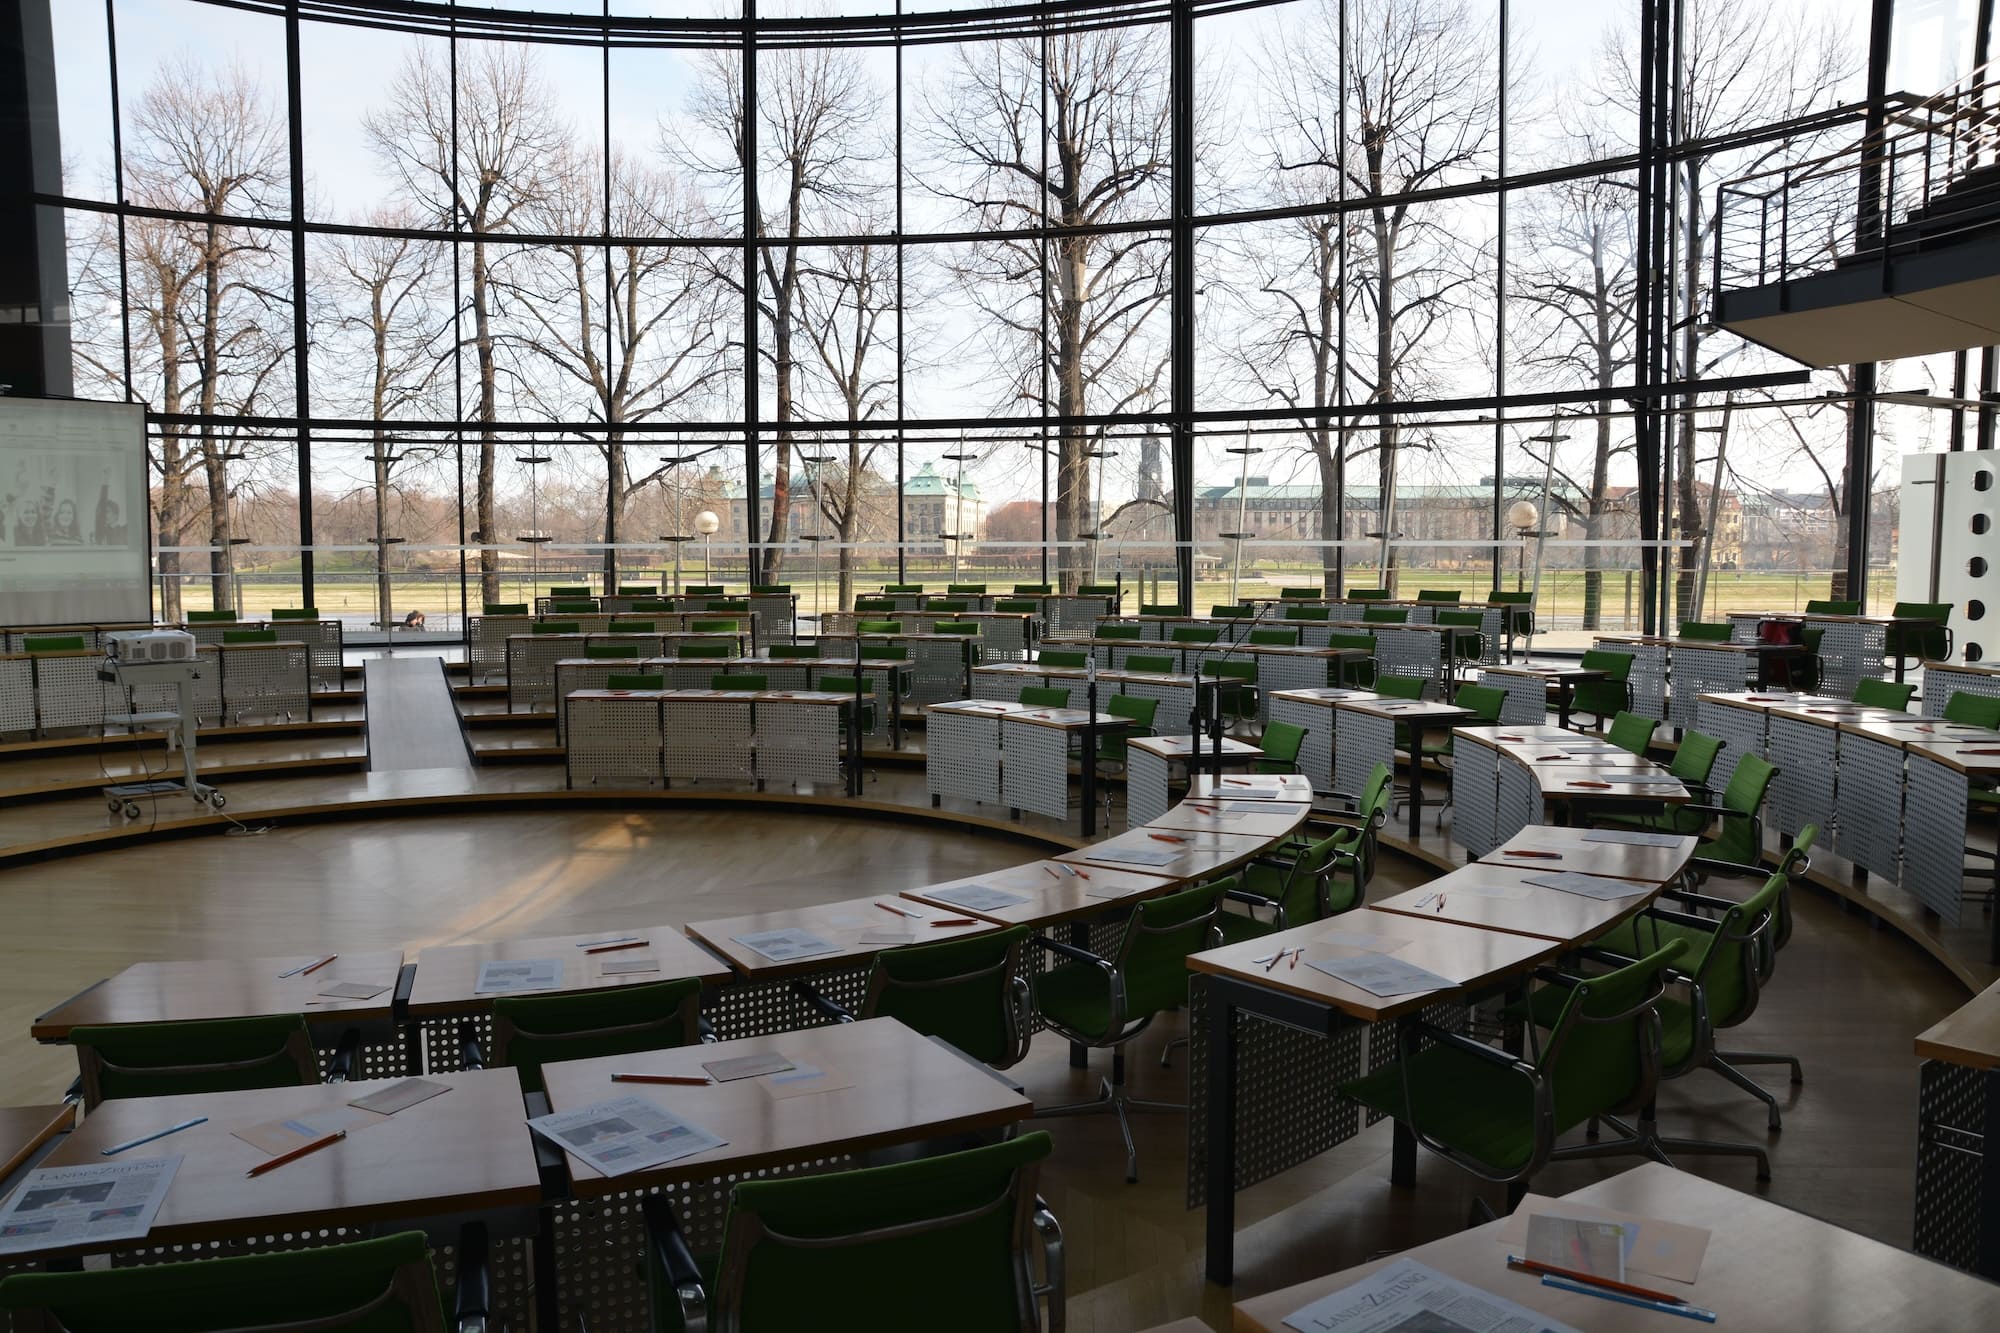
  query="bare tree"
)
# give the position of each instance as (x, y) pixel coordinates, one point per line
(1100, 158)
(814, 140)
(637, 328)
(1418, 81)
(472, 167)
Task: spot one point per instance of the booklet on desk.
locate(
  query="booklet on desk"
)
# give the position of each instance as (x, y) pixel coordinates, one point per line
(93, 1204)
(1412, 1297)
(1659, 1248)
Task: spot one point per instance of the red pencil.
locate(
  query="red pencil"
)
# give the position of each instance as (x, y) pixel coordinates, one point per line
(321, 963)
(688, 1080)
(614, 948)
(954, 921)
(1539, 856)
(1592, 1279)
(1165, 837)
(296, 1153)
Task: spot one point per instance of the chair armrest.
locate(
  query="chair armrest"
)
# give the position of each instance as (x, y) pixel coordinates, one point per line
(472, 1293)
(1055, 1275)
(1688, 919)
(1072, 952)
(1249, 898)
(1490, 1054)
(468, 1047)
(824, 1007)
(1693, 899)
(668, 1247)
(1277, 860)
(341, 1067)
(73, 1094)
(1701, 808)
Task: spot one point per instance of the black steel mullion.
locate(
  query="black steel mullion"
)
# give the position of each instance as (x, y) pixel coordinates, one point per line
(752, 215)
(301, 352)
(1181, 94)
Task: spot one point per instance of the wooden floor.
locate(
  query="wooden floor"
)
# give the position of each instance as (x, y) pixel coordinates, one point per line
(1847, 999)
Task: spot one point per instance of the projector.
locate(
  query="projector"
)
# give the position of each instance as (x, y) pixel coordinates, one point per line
(157, 645)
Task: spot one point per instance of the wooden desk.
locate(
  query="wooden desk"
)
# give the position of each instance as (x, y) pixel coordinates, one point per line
(1766, 1267)
(1958, 1137)
(23, 1129)
(1366, 724)
(1290, 787)
(1565, 680)
(1054, 894)
(1621, 860)
(1259, 819)
(1197, 856)
(843, 924)
(1034, 760)
(1544, 913)
(448, 975)
(1152, 761)
(228, 988)
(906, 1088)
(466, 1151)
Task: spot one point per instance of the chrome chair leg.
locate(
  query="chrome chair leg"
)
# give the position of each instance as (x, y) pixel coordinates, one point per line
(1764, 1058)
(1755, 1089)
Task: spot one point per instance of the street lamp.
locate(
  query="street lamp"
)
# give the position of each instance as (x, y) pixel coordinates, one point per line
(1248, 451)
(706, 523)
(813, 463)
(1096, 535)
(534, 537)
(957, 535)
(230, 543)
(384, 612)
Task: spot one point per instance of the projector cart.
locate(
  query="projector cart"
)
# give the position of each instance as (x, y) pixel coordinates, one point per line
(182, 721)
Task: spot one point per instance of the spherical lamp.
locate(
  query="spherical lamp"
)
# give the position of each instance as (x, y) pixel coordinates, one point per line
(1523, 515)
(706, 521)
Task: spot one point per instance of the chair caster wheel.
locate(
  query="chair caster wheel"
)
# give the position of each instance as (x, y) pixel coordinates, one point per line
(131, 810)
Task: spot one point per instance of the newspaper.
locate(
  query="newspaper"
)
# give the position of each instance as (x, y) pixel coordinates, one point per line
(511, 976)
(1409, 1297)
(1634, 839)
(94, 1204)
(976, 897)
(628, 1134)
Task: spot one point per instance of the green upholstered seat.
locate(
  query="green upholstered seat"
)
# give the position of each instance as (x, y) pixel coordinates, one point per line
(556, 627)
(573, 608)
(1195, 634)
(1139, 712)
(1237, 612)
(570, 590)
(903, 589)
(1929, 642)
(1385, 615)
(210, 617)
(873, 605)
(965, 627)
(878, 627)
(1300, 594)
(1739, 837)
(1437, 594)
(714, 627)
(1520, 615)
(1291, 884)
(686, 649)
(209, 1055)
(1830, 607)
(1611, 695)
(966, 589)
(1485, 701)
(948, 607)
(1693, 762)
(1464, 647)
(635, 680)
(1238, 681)
(851, 685)
(63, 643)
(1044, 696)
(383, 1285)
(1034, 589)
(1979, 710)
(1629, 731)
(1017, 606)
(1400, 687)
(1357, 672)
(1121, 631)
(1079, 1000)
(1277, 638)
(1705, 631)
(1159, 664)
(1884, 694)
(638, 590)
(1368, 594)
(1498, 1116)
(1281, 745)
(705, 590)
(970, 992)
(530, 1031)
(768, 590)
(1063, 657)
(295, 613)
(504, 609)
(1161, 609)
(1317, 613)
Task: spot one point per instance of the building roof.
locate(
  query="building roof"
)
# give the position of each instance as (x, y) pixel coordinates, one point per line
(1261, 491)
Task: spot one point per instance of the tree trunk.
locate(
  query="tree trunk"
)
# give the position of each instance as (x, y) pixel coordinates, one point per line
(1072, 467)
(384, 609)
(482, 340)
(615, 486)
(773, 559)
(218, 494)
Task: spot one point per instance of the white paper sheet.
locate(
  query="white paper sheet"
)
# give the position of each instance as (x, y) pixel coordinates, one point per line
(1379, 974)
(1416, 1298)
(977, 897)
(1625, 839)
(511, 976)
(1589, 886)
(624, 1135)
(1137, 856)
(93, 1204)
(781, 946)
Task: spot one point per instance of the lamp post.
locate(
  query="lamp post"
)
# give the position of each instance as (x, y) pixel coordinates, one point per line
(1247, 451)
(957, 534)
(534, 536)
(813, 464)
(1096, 534)
(229, 541)
(706, 523)
(384, 611)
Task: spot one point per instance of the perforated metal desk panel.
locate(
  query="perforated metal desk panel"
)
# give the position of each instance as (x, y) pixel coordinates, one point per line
(962, 749)
(704, 735)
(1944, 679)
(1151, 763)
(1313, 710)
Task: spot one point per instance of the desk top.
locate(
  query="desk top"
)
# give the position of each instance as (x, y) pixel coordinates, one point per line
(903, 1088)
(1766, 1267)
(1193, 856)
(1180, 747)
(228, 988)
(1544, 672)
(1968, 1036)
(447, 974)
(26, 1128)
(1270, 820)
(1617, 859)
(993, 708)
(1054, 891)
(1293, 788)
(1404, 710)
(1067, 719)
(1468, 955)
(1499, 897)
(1326, 695)
(846, 925)
(1040, 670)
(464, 1151)
(822, 697)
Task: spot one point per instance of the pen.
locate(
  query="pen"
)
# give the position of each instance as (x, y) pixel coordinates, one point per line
(1440, 906)
(688, 1080)
(610, 939)
(1604, 1293)
(296, 1153)
(1297, 954)
(614, 948)
(887, 907)
(1537, 1266)
(1274, 960)
(1051, 874)
(1165, 837)
(953, 921)
(302, 967)
(321, 963)
(148, 1138)
(1539, 856)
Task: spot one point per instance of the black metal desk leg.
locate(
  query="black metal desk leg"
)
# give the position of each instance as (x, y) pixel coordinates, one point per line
(1221, 1093)
(1079, 935)
(1563, 693)
(1416, 778)
(1403, 1157)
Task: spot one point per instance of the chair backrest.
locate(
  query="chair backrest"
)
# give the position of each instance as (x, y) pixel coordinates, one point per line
(1044, 696)
(1196, 634)
(1364, 642)
(1161, 609)
(1016, 606)
(1872, 693)
(295, 613)
(794, 650)
(1319, 613)
(1615, 666)
(686, 649)
(1980, 710)
(1134, 709)
(1231, 612)
(732, 605)
(903, 589)
(1301, 898)
(1705, 631)
(1603, 1050)
(1437, 594)
(1063, 657)
(1282, 742)
(1484, 700)
(359, 1287)
(955, 1230)
(1732, 963)
(1385, 615)
(1829, 607)
(1695, 759)
(966, 589)
(967, 627)
(878, 627)
(841, 684)
(210, 617)
(210, 1055)
(638, 590)
(1460, 619)
(1368, 594)
(1400, 687)
(504, 609)
(741, 680)
(1159, 664)
(970, 992)
(634, 626)
(769, 590)
(865, 605)
(73, 643)
(947, 607)
(609, 650)
(713, 627)
(1301, 594)
(1736, 841)
(1278, 638)
(1034, 589)
(570, 590)
(1089, 589)
(1932, 641)
(635, 680)
(1506, 598)
(1120, 631)
(1629, 731)
(705, 590)
(1243, 671)
(530, 1031)
(1170, 927)
(556, 627)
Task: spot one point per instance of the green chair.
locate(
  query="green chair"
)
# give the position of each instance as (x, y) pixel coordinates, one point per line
(1693, 763)
(1884, 694)
(1238, 686)
(1979, 710)
(1044, 696)
(634, 626)
(1385, 615)
(1485, 701)
(1158, 664)
(530, 1031)
(1518, 619)
(504, 609)
(73, 643)
(1314, 613)
(1367, 594)
(1231, 612)
(903, 589)
(1276, 638)
(638, 590)
(947, 608)
(1705, 631)
(1793, 866)
(210, 1055)
(1033, 589)
(556, 627)
(714, 627)
(946, 1238)
(1807, 671)
(1293, 884)
(1631, 732)
(878, 627)
(1356, 673)
(1437, 595)
(1161, 609)
(1063, 657)
(1497, 1115)
(766, 590)
(1301, 594)
(704, 590)
(970, 992)
(1825, 607)
(686, 649)
(1014, 606)
(1604, 699)
(962, 627)
(741, 680)
(851, 685)
(966, 589)
(1194, 634)
(1104, 1003)
(573, 608)
(1930, 642)
(572, 590)
(1111, 743)
(635, 680)
(794, 651)
(1464, 647)
(295, 613)
(1356, 854)
(873, 605)
(1121, 631)
(230, 636)
(210, 617)
(1280, 748)
(386, 1283)
(1082, 589)
(1400, 687)
(1737, 846)
(604, 651)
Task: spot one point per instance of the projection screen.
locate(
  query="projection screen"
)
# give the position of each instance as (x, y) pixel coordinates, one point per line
(72, 513)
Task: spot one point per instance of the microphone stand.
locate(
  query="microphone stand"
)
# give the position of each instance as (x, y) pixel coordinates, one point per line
(1213, 697)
